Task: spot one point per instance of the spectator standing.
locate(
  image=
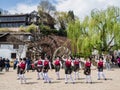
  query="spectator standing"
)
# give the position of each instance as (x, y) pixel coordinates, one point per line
(28, 63)
(7, 64)
(15, 63)
(107, 62)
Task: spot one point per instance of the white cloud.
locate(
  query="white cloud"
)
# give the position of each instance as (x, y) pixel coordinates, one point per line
(82, 8)
(23, 8)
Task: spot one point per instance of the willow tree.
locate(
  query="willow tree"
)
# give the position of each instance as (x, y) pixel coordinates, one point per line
(73, 33)
(105, 23)
(81, 36)
(98, 31)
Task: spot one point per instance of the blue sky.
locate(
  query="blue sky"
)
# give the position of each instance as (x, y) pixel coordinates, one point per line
(81, 8)
(6, 4)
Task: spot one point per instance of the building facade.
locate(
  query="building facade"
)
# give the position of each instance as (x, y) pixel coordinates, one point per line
(12, 45)
(10, 21)
(9, 51)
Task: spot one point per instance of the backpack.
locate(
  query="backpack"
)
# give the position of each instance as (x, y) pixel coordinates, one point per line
(46, 63)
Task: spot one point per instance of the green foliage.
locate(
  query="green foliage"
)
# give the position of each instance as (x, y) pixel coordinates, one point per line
(62, 33)
(100, 30)
(63, 18)
(54, 31)
(31, 28)
(106, 26)
(44, 27)
(22, 29)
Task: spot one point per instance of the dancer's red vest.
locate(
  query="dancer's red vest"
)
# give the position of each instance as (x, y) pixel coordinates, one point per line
(57, 62)
(22, 65)
(39, 62)
(76, 62)
(100, 64)
(88, 64)
(68, 63)
(46, 63)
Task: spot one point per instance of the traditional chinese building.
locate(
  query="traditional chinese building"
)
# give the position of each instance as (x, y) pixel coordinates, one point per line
(13, 45)
(10, 21)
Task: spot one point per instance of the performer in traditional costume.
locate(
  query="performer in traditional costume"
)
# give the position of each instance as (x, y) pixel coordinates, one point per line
(87, 71)
(22, 66)
(57, 64)
(68, 69)
(39, 68)
(46, 66)
(100, 69)
(77, 66)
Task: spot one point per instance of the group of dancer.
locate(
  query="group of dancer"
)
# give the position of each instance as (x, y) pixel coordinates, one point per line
(42, 67)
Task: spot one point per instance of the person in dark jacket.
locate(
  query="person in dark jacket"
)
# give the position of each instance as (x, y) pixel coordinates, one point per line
(28, 64)
(15, 63)
(0, 64)
(7, 64)
(3, 63)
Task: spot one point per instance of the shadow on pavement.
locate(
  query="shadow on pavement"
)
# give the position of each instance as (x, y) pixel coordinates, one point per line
(55, 82)
(31, 83)
(1, 73)
(87, 83)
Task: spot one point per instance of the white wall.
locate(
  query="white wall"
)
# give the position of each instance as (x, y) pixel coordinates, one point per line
(6, 50)
(5, 53)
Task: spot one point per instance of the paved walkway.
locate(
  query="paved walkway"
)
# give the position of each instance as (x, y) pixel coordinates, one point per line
(8, 81)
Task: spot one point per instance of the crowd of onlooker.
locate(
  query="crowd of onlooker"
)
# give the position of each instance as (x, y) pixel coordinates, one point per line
(4, 64)
(110, 60)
